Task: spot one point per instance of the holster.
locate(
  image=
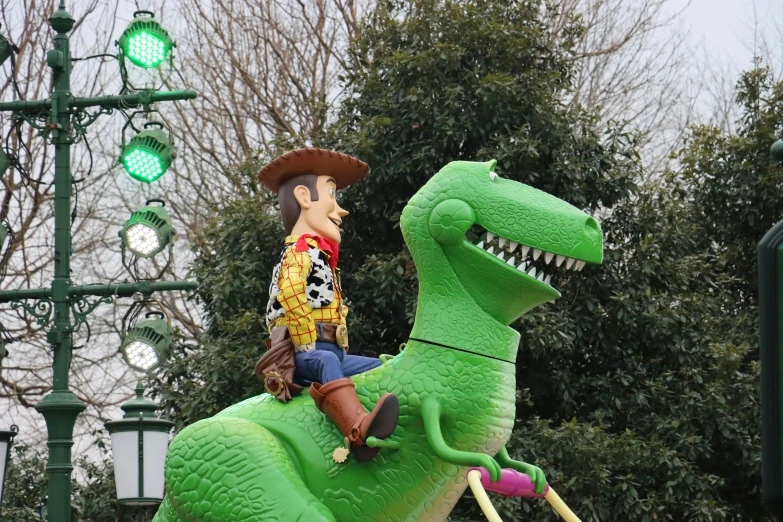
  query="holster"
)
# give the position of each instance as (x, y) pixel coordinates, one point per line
(276, 367)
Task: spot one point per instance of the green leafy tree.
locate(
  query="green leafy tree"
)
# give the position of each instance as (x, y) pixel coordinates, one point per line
(446, 81)
(492, 89)
(94, 493)
(637, 389)
(25, 485)
(236, 255)
(734, 185)
(642, 389)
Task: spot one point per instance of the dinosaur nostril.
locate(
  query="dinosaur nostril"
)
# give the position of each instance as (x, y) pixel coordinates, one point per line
(592, 224)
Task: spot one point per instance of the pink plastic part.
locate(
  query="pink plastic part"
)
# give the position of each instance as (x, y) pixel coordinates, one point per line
(511, 484)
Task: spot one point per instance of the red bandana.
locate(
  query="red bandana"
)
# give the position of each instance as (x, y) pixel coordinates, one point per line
(327, 245)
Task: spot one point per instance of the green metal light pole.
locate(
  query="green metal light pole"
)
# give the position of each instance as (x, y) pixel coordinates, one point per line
(776, 151)
(770, 274)
(61, 406)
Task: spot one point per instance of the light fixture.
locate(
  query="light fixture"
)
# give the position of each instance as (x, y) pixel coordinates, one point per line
(139, 442)
(147, 343)
(6, 240)
(145, 42)
(5, 160)
(6, 437)
(776, 151)
(5, 339)
(148, 231)
(6, 48)
(149, 154)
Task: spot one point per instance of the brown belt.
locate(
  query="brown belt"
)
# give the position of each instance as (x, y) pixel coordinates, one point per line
(332, 333)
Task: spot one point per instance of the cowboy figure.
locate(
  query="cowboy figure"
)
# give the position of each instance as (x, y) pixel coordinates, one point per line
(305, 297)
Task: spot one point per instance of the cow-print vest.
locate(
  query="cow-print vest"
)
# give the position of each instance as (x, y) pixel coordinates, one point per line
(319, 289)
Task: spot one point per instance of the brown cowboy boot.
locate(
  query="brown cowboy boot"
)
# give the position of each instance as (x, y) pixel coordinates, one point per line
(338, 400)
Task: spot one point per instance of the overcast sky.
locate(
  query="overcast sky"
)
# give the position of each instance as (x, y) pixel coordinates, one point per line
(726, 28)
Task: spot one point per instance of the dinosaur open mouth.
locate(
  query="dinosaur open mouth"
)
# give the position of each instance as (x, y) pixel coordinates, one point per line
(533, 262)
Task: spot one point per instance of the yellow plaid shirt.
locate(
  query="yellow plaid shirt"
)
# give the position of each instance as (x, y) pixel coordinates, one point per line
(299, 317)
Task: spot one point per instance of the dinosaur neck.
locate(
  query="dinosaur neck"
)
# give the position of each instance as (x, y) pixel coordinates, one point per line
(446, 313)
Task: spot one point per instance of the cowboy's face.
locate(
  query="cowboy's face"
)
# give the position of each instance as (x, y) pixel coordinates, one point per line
(324, 216)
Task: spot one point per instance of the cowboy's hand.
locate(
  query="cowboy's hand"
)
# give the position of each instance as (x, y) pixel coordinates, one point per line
(304, 347)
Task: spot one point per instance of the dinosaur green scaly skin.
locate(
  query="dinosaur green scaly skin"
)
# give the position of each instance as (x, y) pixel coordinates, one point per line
(262, 460)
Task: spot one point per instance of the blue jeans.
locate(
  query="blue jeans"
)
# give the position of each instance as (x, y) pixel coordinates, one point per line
(329, 362)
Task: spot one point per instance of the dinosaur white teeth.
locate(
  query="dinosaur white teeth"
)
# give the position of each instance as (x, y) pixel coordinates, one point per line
(507, 247)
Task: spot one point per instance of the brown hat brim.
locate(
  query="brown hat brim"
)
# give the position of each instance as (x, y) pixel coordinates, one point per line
(343, 168)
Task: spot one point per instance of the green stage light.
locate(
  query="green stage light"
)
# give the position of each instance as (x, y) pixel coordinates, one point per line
(776, 152)
(5, 49)
(144, 41)
(148, 155)
(146, 344)
(6, 238)
(5, 162)
(148, 231)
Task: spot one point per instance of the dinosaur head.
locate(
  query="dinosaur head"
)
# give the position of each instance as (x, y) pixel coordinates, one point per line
(507, 244)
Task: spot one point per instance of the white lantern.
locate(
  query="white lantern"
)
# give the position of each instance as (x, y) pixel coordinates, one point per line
(6, 437)
(139, 442)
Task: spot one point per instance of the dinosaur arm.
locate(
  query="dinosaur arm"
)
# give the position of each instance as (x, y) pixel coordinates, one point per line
(431, 411)
(385, 358)
(534, 472)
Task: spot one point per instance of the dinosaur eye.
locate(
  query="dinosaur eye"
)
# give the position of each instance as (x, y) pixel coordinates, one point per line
(492, 176)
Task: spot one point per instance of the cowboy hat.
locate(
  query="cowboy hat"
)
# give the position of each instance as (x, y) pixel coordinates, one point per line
(343, 168)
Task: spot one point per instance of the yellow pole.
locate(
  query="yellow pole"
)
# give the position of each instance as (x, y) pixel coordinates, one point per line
(474, 480)
(560, 507)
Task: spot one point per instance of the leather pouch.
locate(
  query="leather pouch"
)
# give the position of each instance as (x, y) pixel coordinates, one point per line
(276, 367)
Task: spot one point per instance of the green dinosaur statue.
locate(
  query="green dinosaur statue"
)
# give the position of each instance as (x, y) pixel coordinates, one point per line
(263, 460)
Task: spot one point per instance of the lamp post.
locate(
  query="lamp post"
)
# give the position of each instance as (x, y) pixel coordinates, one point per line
(139, 442)
(776, 151)
(770, 275)
(6, 437)
(61, 119)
